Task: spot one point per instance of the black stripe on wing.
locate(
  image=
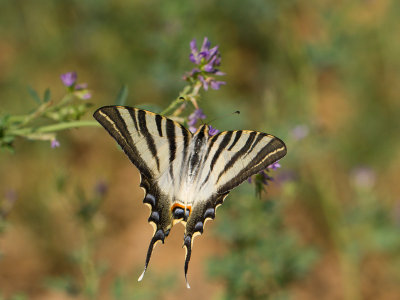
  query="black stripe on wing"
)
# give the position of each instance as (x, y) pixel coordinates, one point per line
(238, 134)
(132, 113)
(194, 159)
(260, 136)
(158, 122)
(185, 149)
(170, 129)
(148, 137)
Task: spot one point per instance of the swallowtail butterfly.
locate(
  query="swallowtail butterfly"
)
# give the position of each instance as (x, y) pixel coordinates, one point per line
(186, 176)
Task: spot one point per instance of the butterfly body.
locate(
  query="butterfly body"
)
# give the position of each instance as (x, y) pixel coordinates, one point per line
(186, 176)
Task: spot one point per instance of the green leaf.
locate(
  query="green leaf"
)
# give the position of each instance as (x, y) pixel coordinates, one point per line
(122, 95)
(47, 95)
(34, 95)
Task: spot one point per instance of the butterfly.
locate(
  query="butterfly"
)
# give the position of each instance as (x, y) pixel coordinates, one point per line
(186, 176)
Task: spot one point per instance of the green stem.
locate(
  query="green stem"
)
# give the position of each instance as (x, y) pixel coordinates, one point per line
(172, 106)
(68, 125)
(53, 127)
(43, 108)
(178, 101)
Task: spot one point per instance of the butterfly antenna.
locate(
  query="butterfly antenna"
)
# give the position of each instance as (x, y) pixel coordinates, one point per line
(235, 112)
(188, 244)
(158, 236)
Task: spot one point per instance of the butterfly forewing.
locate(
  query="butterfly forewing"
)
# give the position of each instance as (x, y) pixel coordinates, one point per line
(144, 136)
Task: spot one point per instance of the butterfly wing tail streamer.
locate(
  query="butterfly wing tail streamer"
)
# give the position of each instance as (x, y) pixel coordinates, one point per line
(160, 216)
(187, 243)
(195, 225)
(158, 236)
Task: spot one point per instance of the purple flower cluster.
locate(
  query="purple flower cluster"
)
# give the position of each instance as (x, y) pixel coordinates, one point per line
(79, 90)
(207, 61)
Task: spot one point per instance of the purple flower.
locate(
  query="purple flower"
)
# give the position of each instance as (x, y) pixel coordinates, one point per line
(212, 130)
(69, 78)
(207, 60)
(196, 56)
(79, 90)
(210, 81)
(206, 46)
(204, 82)
(274, 166)
(195, 116)
(216, 84)
(55, 143)
(192, 74)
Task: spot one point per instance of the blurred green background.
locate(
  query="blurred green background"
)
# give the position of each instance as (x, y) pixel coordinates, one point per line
(321, 75)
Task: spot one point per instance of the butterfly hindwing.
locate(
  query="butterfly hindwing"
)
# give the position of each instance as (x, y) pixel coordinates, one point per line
(186, 177)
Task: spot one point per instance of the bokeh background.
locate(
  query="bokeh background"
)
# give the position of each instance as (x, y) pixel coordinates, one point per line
(321, 75)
